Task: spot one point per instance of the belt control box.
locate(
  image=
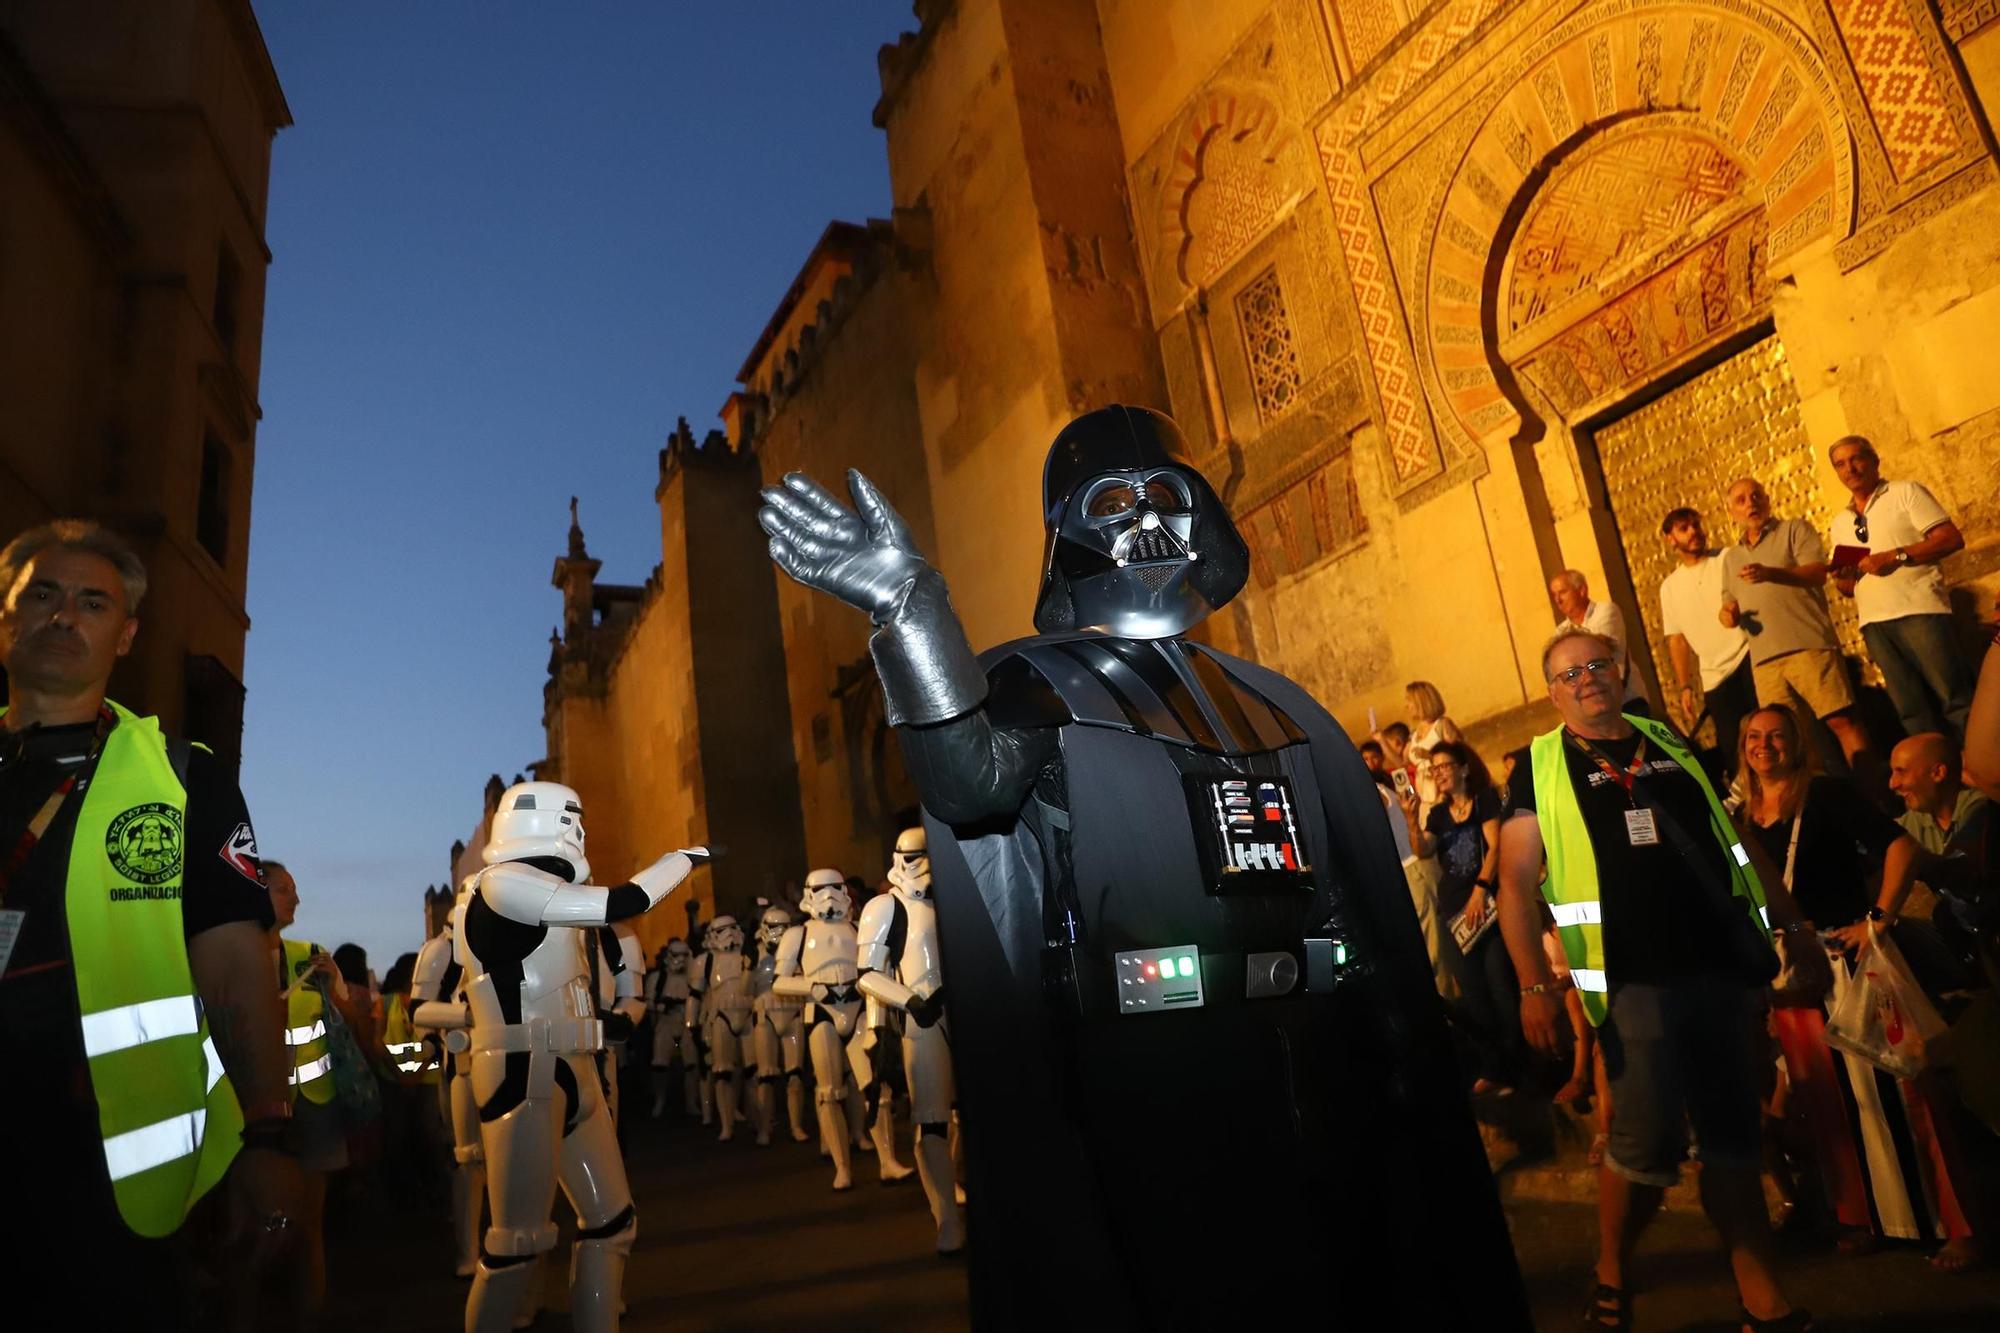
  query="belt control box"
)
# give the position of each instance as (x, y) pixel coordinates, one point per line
(1151, 981)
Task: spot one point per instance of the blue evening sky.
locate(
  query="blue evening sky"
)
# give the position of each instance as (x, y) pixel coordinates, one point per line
(512, 243)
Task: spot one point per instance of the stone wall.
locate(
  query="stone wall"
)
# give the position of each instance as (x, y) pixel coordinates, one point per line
(851, 405)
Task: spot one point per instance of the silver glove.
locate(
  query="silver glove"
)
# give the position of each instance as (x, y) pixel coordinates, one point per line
(927, 668)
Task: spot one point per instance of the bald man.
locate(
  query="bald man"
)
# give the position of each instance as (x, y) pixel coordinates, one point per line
(1570, 592)
(1947, 818)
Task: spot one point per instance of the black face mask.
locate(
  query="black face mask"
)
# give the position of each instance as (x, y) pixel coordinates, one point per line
(1139, 544)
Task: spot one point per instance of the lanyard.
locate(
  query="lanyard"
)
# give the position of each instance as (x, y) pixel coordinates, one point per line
(32, 835)
(1625, 776)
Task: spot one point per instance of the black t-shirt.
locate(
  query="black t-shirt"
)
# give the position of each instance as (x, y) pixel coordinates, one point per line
(1843, 837)
(1461, 849)
(41, 1043)
(1660, 924)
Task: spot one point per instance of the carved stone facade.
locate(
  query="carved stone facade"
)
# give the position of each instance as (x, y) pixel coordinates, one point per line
(1447, 295)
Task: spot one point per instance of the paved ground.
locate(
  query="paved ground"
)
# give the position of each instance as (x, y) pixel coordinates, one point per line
(737, 1238)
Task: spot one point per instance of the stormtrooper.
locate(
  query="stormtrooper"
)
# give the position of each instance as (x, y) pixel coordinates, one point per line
(877, 1061)
(438, 994)
(900, 969)
(720, 1011)
(816, 964)
(779, 1044)
(535, 1030)
(1197, 1038)
(673, 1039)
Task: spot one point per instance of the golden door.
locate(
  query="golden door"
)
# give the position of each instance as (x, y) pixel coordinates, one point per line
(1738, 418)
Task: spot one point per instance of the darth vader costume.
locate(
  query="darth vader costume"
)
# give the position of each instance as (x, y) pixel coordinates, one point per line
(1202, 1070)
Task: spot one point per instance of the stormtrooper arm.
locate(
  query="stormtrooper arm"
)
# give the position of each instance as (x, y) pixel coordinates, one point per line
(440, 1015)
(630, 980)
(877, 982)
(788, 982)
(534, 897)
(697, 990)
(427, 976)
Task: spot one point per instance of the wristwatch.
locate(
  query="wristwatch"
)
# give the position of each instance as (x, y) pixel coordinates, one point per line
(1902, 555)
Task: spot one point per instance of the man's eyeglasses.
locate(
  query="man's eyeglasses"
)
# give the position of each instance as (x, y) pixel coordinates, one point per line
(1597, 666)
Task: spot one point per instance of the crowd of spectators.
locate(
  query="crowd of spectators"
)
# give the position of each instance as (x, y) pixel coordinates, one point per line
(1677, 929)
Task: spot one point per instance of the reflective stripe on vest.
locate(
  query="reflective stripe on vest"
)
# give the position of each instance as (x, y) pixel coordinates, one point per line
(305, 1017)
(167, 1117)
(1571, 887)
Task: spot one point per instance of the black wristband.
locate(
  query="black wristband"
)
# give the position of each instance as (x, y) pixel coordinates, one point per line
(269, 1135)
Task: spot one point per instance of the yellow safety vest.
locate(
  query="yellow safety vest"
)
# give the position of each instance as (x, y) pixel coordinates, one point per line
(168, 1115)
(404, 1043)
(1571, 887)
(305, 1025)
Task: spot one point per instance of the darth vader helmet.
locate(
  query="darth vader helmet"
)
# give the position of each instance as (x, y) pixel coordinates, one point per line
(1139, 544)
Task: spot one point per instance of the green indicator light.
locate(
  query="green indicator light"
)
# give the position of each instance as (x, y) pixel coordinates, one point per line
(1167, 968)
(1339, 954)
(1187, 966)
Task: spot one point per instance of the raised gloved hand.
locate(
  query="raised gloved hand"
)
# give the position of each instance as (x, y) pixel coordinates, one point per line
(866, 557)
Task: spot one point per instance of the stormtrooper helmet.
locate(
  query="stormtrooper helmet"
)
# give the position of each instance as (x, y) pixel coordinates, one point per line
(677, 955)
(910, 867)
(826, 897)
(539, 820)
(724, 936)
(1139, 545)
(771, 928)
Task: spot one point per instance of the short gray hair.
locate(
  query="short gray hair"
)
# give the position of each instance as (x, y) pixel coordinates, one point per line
(77, 534)
(1572, 578)
(1568, 632)
(1861, 442)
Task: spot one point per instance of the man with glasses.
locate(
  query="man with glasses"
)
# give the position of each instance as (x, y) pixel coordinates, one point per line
(1898, 589)
(1660, 908)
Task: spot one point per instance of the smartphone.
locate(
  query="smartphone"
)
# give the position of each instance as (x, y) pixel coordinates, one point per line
(1402, 780)
(1372, 727)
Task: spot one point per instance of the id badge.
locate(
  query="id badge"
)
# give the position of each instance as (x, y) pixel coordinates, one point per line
(1642, 828)
(10, 931)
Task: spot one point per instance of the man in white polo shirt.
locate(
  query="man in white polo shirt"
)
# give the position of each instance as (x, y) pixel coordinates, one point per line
(1695, 635)
(1570, 594)
(1899, 590)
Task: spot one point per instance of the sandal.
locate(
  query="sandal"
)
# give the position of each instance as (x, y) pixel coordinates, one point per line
(1608, 1308)
(1799, 1320)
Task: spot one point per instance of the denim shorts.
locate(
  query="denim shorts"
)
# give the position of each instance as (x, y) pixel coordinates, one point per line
(1686, 1057)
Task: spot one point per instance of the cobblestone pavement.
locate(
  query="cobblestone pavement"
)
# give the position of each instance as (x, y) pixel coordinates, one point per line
(732, 1237)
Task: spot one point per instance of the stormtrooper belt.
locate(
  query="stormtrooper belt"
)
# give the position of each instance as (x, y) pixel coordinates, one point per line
(564, 1036)
(845, 992)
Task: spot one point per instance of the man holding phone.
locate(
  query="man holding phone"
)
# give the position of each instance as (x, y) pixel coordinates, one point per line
(1888, 542)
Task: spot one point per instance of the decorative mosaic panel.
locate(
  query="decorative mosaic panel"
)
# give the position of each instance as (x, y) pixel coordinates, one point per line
(1962, 18)
(1753, 115)
(1406, 426)
(1684, 448)
(1318, 518)
(1366, 25)
(1222, 189)
(1269, 345)
(1613, 208)
(1904, 99)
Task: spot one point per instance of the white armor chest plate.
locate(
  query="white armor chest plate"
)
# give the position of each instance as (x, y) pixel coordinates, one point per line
(555, 996)
(555, 978)
(728, 983)
(829, 956)
(919, 967)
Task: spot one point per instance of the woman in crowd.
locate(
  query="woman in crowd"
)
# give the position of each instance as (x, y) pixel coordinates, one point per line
(1866, 1127)
(1462, 831)
(1430, 730)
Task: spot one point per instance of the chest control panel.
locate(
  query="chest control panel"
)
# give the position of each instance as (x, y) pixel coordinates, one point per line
(1151, 981)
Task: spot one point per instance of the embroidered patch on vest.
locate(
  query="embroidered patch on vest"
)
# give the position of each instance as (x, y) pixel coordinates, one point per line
(144, 843)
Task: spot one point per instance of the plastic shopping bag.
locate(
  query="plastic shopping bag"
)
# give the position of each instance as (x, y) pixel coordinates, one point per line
(1880, 1015)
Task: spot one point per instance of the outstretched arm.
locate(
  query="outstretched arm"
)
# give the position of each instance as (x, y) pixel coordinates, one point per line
(534, 897)
(965, 768)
